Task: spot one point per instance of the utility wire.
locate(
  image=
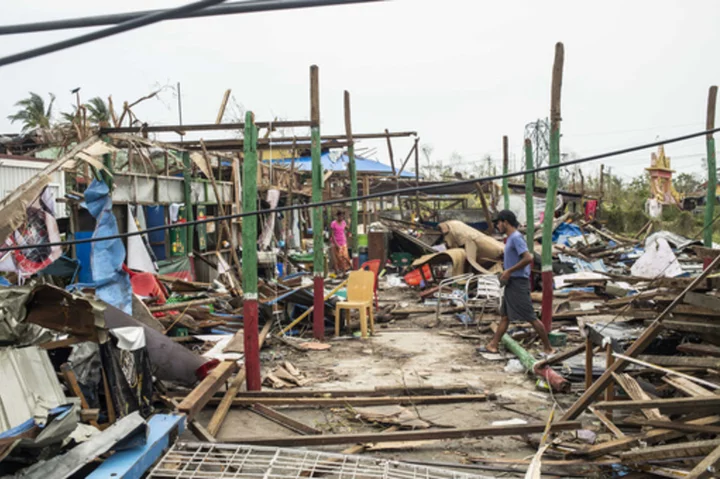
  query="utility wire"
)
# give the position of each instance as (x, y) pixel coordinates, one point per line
(117, 18)
(396, 192)
(139, 21)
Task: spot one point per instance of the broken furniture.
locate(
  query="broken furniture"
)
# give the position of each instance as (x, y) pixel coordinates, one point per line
(360, 297)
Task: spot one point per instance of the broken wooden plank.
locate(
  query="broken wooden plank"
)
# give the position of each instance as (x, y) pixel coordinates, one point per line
(361, 401)
(668, 371)
(181, 306)
(685, 404)
(687, 387)
(671, 451)
(232, 390)
(284, 420)
(325, 440)
(651, 437)
(633, 389)
(703, 301)
(676, 426)
(201, 395)
(378, 391)
(74, 386)
(708, 467)
(607, 422)
(698, 327)
(200, 432)
(699, 349)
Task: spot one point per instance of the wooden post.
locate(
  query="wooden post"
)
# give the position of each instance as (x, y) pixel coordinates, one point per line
(317, 219)
(602, 186)
(249, 257)
(353, 183)
(712, 172)
(505, 190)
(588, 363)
(187, 191)
(366, 191)
(486, 209)
(529, 197)
(394, 171)
(547, 274)
(288, 214)
(417, 179)
(223, 105)
(610, 391)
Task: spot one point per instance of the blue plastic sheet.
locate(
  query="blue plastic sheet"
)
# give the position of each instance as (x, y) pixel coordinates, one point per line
(111, 283)
(565, 231)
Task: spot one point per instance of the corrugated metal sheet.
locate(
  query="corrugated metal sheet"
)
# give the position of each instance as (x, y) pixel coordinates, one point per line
(14, 173)
(29, 385)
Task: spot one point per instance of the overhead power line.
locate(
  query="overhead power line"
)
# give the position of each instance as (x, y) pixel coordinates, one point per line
(117, 18)
(400, 191)
(137, 22)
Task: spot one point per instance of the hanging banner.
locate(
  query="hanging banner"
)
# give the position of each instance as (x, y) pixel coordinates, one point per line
(39, 229)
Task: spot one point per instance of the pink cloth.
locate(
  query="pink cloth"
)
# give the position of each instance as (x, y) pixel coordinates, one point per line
(338, 231)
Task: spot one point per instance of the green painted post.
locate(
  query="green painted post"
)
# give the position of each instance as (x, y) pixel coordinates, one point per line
(317, 214)
(187, 190)
(712, 172)
(249, 256)
(529, 198)
(505, 189)
(353, 183)
(553, 174)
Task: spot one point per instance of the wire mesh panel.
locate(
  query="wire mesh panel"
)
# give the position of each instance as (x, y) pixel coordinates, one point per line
(225, 461)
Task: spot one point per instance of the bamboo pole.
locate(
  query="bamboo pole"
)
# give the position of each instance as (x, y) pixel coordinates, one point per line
(506, 161)
(317, 219)
(547, 275)
(529, 197)
(249, 256)
(712, 172)
(353, 182)
(417, 179)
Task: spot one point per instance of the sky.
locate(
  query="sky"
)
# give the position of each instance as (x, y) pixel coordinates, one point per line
(462, 73)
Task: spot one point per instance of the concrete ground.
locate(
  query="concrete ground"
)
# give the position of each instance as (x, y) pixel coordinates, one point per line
(406, 353)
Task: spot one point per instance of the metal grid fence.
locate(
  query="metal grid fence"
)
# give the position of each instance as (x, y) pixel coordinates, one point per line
(225, 461)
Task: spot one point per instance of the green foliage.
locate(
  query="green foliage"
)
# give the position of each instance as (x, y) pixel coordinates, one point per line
(99, 111)
(33, 113)
(687, 183)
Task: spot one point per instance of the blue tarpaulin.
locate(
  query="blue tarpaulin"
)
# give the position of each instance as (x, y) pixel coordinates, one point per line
(565, 231)
(111, 283)
(330, 163)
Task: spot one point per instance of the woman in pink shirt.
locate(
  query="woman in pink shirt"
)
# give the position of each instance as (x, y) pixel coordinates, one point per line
(338, 242)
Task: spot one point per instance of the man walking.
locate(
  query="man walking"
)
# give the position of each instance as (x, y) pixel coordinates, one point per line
(517, 303)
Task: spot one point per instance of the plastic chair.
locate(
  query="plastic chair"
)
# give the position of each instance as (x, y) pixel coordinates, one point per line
(374, 266)
(360, 297)
(486, 294)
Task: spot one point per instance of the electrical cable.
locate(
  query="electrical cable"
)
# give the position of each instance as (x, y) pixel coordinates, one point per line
(117, 18)
(137, 22)
(396, 192)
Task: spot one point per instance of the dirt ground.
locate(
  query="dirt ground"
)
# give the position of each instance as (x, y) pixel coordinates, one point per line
(407, 353)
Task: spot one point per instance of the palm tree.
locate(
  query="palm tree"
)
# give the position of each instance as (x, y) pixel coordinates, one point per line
(99, 112)
(33, 113)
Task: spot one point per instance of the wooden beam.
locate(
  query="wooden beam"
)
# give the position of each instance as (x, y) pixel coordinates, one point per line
(699, 349)
(668, 371)
(145, 128)
(558, 358)
(361, 401)
(74, 386)
(708, 467)
(181, 306)
(305, 441)
(633, 389)
(675, 404)
(234, 387)
(682, 361)
(687, 387)
(223, 105)
(379, 391)
(588, 363)
(677, 426)
(607, 422)
(201, 395)
(651, 437)
(200, 432)
(642, 342)
(283, 420)
(486, 209)
(671, 451)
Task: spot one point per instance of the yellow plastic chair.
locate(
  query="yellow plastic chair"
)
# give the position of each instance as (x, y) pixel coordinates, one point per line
(360, 289)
